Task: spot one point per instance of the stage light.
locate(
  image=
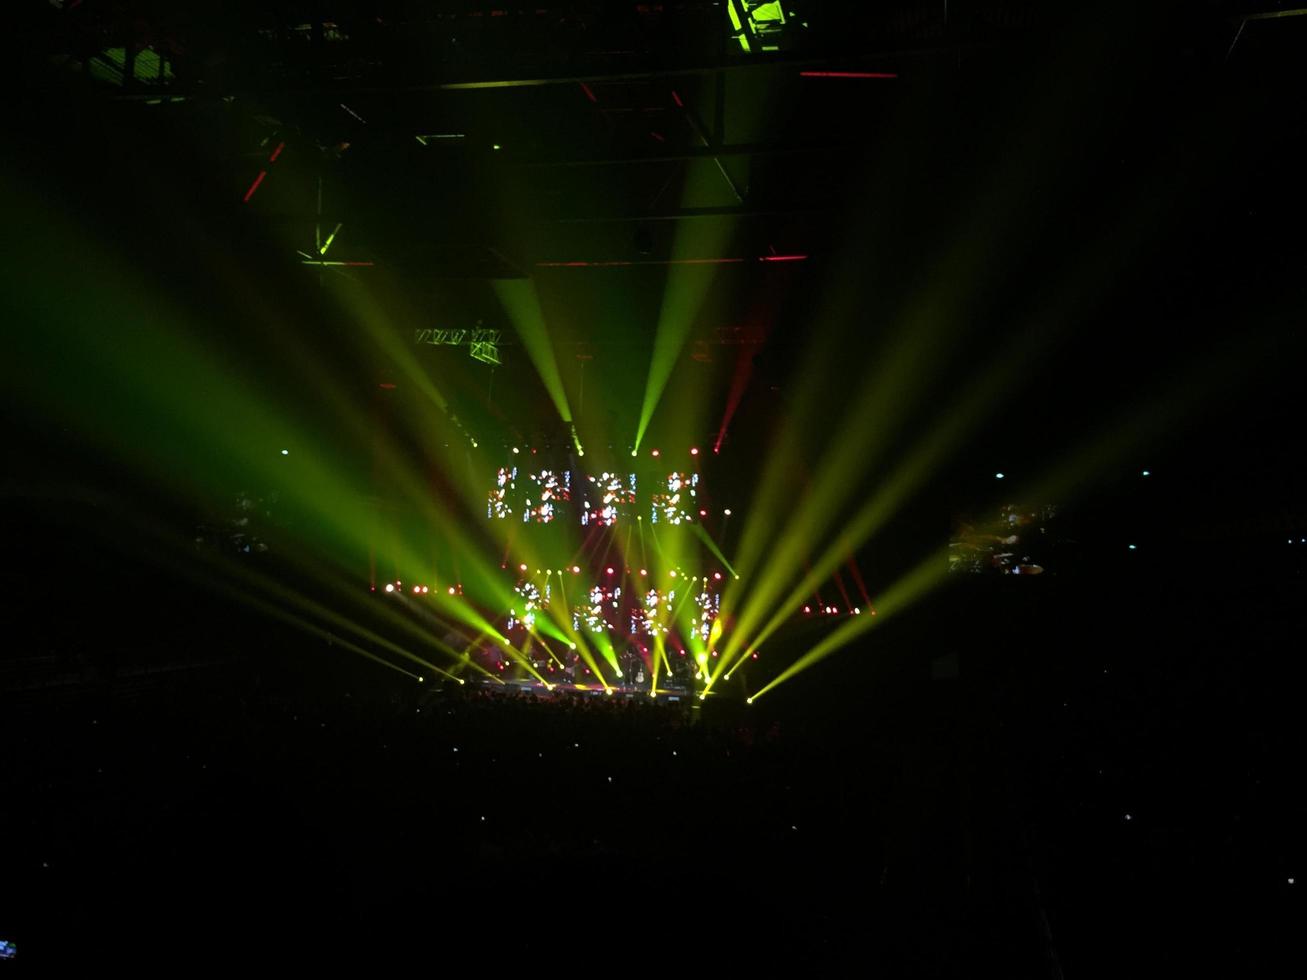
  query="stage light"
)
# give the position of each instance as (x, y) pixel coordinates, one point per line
(285, 452)
(755, 656)
(521, 568)
(717, 576)
(516, 450)
(425, 590)
(807, 609)
(998, 476)
(635, 452)
(571, 646)
(672, 573)
(451, 590)
(1132, 547)
(1145, 473)
(609, 571)
(703, 513)
(694, 451)
(643, 572)
(619, 673)
(857, 611)
(727, 512)
(701, 658)
(748, 700)
(655, 453)
(389, 587)
(576, 569)
(417, 589)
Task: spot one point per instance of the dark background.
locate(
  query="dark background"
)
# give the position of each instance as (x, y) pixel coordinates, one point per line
(1086, 773)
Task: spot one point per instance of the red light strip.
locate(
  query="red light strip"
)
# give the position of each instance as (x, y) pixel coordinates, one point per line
(677, 98)
(588, 93)
(617, 263)
(277, 152)
(254, 186)
(848, 74)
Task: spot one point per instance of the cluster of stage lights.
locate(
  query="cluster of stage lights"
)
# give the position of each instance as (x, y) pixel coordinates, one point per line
(655, 454)
(810, 610)
(398, 587)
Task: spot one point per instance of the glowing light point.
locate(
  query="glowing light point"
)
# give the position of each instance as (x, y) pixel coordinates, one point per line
(727, 512)
(516, 450)
(417, 588)
(609, 570)
(807, 609)
(694, 451)
(451, 590)
(420, 679)
(717, 576)
(389, 587)
(644, 572)
(635, 452)
(655, 453)
(571, 646)
(576, 569)
(285, 452)
(521, 568)
(998, 476)
(1132, 547)
(1145, 473)
(748, 700)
